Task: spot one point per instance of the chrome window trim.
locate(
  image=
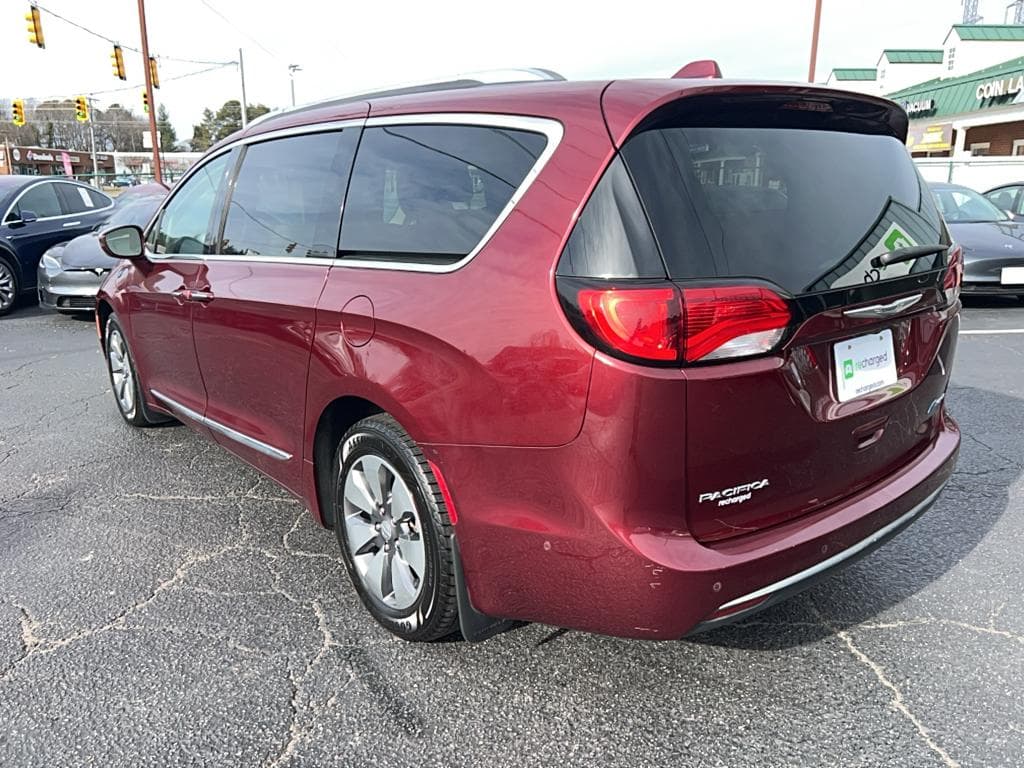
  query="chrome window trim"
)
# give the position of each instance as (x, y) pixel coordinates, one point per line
(552, 129)
(57, 180)
(239, 437)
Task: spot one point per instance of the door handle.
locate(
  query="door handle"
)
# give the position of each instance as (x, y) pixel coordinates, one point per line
(71, 223)
(186, 294)
(885, 310)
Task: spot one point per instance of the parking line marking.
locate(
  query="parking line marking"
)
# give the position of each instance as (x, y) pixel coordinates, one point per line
(978, 333)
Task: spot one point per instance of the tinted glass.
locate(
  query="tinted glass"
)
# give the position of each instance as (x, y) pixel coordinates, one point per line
(288, 195)
(79, 199)
(185, 223)
(431, 192)
(612, 238)
(806, 209)
(1003, 198)
(41, 200)
(962, 206)
(137, 212)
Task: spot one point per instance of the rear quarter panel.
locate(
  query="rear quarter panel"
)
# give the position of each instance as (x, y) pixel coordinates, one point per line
(481, 355)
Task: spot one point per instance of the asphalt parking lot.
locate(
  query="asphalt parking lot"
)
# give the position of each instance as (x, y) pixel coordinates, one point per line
(162, 604)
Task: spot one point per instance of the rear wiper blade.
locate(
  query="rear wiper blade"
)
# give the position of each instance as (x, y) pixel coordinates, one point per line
(907, 254)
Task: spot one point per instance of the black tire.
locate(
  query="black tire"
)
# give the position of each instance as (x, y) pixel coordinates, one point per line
(137, 414)
(9, 273)
(434, 614)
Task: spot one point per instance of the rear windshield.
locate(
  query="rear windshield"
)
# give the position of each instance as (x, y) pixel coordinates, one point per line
(805, 209)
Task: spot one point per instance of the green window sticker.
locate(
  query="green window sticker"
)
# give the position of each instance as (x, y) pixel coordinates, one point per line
(847, 369)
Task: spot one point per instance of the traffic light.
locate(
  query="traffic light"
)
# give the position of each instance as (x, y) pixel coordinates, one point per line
(35, 26)
(145, 102)
(81, 109)
(117, 62)
(18, 112)
(154, 76)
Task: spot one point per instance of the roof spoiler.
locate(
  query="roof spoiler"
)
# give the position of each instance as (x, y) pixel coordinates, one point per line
(700, 69)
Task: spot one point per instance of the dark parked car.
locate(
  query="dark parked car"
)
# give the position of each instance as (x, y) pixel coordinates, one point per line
(993, 243)
(38, 212)
(638, 357)
(70, 273)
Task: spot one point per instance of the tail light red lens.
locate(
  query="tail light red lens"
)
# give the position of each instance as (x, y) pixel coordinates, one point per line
(954, 274)
(666, 324)
(639, 322)
(732, 321)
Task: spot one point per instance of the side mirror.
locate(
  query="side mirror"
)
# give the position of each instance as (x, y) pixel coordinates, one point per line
(122, 242)
(27, 217)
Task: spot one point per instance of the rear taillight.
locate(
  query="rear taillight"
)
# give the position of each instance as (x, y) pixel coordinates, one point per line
(733, 321)
(666, 324)
(954, 274)
(638, 322)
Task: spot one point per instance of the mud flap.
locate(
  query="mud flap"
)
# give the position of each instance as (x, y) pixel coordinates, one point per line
(475, 626)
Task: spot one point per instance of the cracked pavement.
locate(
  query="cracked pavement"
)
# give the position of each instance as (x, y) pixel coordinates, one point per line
(162, 604)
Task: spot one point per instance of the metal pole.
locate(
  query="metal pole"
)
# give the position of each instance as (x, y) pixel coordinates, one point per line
(241, 73)
(291, 75)
(814, 40)
(92, 144)
(157, 175)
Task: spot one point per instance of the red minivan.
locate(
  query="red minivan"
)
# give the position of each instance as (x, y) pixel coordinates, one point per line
(633, 357)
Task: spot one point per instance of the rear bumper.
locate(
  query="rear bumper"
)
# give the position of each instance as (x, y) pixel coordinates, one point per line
(547, 535)
(743, 606)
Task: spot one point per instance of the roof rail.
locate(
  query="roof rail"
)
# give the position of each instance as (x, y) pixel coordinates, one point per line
(469, 80)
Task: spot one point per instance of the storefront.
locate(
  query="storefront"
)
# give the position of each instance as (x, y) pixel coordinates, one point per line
(39, 161)
(978, 114)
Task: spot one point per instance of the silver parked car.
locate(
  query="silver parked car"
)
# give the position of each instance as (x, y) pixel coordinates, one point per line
(70, 273)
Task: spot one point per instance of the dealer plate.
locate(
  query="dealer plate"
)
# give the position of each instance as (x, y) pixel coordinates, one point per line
(864, 364)
(1012, 276)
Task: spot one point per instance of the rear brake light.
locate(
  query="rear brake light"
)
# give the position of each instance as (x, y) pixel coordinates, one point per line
(639, 322)
(732, 321)
(668, 325)
(954, 274)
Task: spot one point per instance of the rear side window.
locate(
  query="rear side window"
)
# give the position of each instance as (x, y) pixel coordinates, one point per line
(806, 209)
(41, 200)
(79, 199)
(431, 192)
(287, 196)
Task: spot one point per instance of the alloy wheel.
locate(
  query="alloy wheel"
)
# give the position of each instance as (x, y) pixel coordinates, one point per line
(6, 286)
(121, 372)
(383, 532)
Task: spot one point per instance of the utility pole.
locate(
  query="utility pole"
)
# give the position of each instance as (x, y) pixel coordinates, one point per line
(814, 40)
(241, 73)
(292, 69)
(92, 143)
(157, 175)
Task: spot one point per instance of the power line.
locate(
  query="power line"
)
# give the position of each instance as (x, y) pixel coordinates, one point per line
(238, 29)
(112, 41)
(124, 88)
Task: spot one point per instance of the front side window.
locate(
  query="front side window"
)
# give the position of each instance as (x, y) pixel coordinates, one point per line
(960, 205)
(41, 200)
(431, 192)
(288, 195)
(184, 225)
(1003, 198)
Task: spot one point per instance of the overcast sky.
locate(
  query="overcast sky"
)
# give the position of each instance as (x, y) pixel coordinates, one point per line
(345, 47)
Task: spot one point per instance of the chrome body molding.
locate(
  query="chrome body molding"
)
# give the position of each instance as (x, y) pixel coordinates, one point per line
(216, 426)
(552, 129)
(790, 585)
